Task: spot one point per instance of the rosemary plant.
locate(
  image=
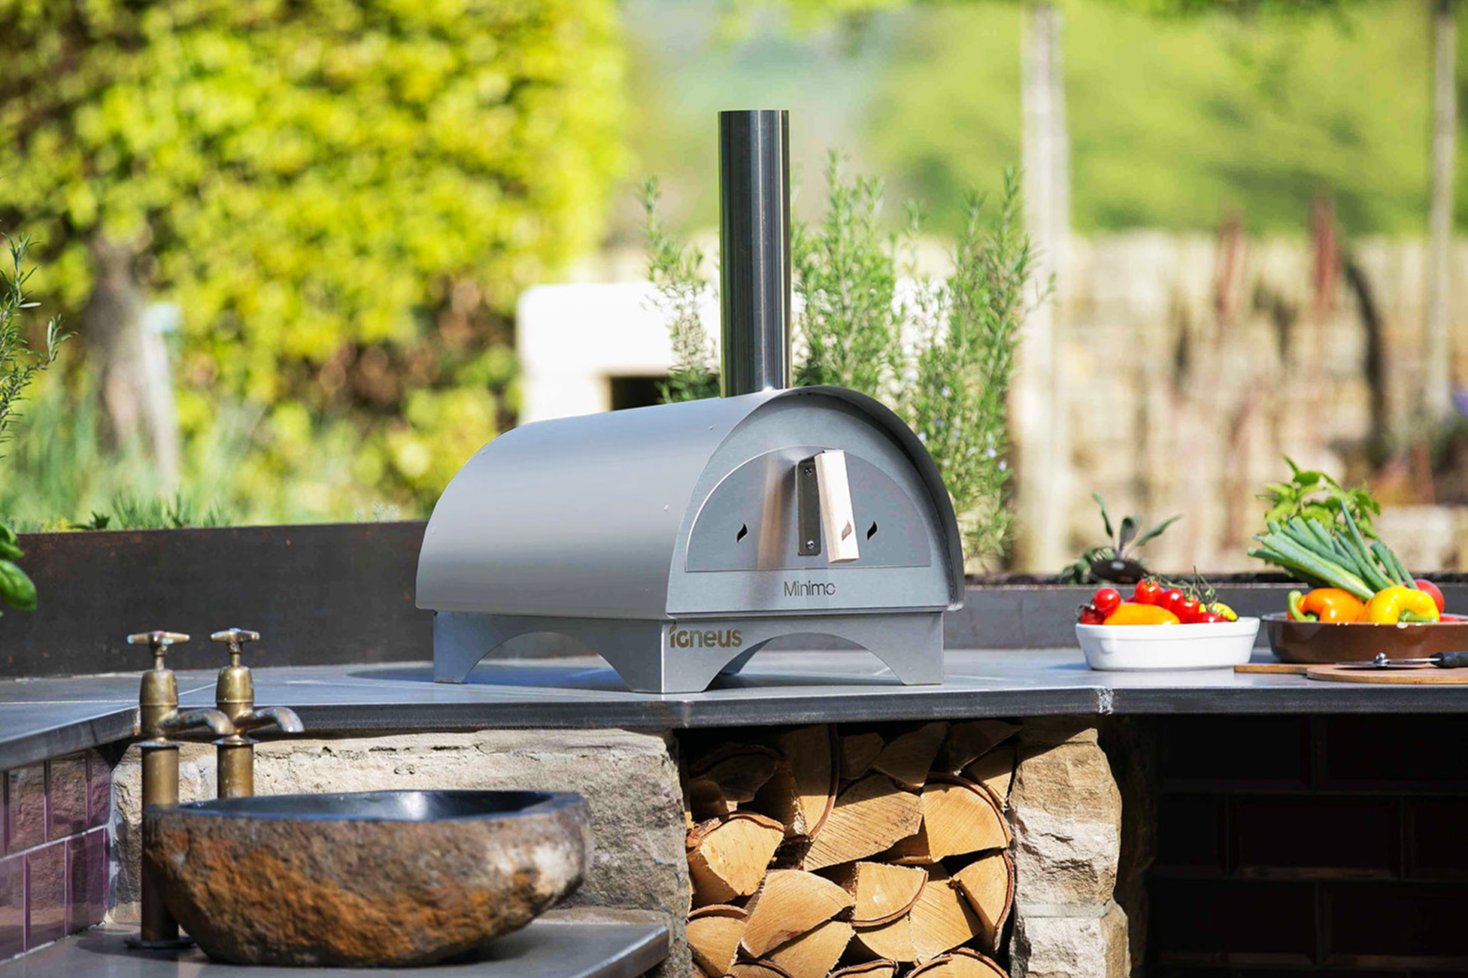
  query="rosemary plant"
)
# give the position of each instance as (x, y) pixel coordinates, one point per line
(675, 269)
(18, 363)
(940, 351)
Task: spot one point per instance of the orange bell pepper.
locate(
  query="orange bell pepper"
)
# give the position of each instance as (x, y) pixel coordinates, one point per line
(1328, 604)
(1396, 604)
(1133, 613)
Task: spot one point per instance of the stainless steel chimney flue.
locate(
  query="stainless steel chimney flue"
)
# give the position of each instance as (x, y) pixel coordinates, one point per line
(754, 249)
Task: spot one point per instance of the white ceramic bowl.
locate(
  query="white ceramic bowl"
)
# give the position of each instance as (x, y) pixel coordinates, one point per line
(1131, 647)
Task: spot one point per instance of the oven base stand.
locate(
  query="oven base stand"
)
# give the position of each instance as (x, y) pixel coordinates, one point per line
(662, 656)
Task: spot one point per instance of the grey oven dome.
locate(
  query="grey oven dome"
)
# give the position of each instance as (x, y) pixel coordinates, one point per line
(655, 534)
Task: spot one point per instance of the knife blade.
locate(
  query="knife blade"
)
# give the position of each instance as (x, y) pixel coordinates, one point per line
(1442, 660)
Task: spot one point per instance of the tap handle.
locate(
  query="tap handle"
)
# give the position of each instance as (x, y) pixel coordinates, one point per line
(235, 638)
(158, 642)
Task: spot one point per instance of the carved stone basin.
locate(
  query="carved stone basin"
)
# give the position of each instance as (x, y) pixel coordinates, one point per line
(377, 878)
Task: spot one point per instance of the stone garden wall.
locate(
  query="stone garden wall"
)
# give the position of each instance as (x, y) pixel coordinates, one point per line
(1193, 363)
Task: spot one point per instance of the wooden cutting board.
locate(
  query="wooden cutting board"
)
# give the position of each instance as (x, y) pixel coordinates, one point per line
(1277, 668)
(1405, 676)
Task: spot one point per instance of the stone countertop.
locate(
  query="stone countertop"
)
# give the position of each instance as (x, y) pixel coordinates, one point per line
(589, 943)
(44, 718)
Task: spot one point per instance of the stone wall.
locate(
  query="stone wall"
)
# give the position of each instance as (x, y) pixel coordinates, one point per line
(629, 779)
(1065, 810)
(1192, 363)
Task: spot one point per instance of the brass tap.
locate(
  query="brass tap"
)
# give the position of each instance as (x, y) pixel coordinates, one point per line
(234, 695)
(158, 718)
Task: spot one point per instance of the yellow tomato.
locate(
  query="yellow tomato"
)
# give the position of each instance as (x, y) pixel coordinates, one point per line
(1132, 613)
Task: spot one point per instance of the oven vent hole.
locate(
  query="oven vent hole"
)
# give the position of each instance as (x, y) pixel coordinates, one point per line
(871, 531)
(743, 532)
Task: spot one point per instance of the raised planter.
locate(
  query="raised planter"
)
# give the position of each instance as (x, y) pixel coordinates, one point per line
(317, 594)
(343, 593)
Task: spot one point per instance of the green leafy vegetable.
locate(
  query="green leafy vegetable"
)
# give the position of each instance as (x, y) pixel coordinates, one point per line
(1314, 495)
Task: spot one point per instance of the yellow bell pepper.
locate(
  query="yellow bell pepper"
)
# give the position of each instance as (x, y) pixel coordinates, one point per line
(1219, 608)
(1132, 613)
(1396, 604)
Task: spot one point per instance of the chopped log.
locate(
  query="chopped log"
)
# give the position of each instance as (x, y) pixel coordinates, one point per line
(791, 854)
(908, 758)
(941, 918)
(868, 969)
(960, 816)
(858, 751)
(995, 771)
(988, 885)
(911, 851)
(814, 954)
(891, 941)
(725, 782)
(757, 969)
(713, 936)
(700, 763)
(868, 817)
(881, 892)
(811, 754)
(971, 740)
(962, 963)
(779, 798)
(791, 903)
(727, 857)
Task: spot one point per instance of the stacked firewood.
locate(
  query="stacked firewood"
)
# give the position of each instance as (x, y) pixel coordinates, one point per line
(850, 851)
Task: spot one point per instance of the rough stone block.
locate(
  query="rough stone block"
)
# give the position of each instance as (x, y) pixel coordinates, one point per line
(629, 779)
(1052, 731)
(1091, 943)
(1065, 809)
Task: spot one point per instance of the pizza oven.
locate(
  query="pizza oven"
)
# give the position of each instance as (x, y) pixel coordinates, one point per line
(677, 540)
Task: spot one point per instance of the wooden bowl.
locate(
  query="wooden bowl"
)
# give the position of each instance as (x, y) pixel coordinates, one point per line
(1318, 642)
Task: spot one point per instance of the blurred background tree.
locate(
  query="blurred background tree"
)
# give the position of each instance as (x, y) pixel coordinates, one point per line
(341, 201)
(1174, 122)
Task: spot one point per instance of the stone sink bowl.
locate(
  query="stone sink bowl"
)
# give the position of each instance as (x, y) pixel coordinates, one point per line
(366, 879)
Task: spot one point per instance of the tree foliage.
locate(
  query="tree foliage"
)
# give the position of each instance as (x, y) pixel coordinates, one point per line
(344, 199)
(1175, 121)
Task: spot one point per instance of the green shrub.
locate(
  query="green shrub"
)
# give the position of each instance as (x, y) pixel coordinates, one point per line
(940, 352)
(19, 365)
(343, 198)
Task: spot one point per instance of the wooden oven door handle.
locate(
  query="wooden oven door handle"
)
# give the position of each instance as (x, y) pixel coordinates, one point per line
(837, 520)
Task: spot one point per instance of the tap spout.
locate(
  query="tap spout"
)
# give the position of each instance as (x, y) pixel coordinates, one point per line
(283, 718)
(216, 721)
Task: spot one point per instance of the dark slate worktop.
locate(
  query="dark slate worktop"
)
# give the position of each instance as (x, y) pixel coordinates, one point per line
(43, 718)
(588, 943)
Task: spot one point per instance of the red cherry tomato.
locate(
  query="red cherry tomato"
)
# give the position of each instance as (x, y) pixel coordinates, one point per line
(1148, 591)
(1088, 615)
(1171, 599)
(1422, 584)
(1189, 609)
(1106, 600)
(1210, 618)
